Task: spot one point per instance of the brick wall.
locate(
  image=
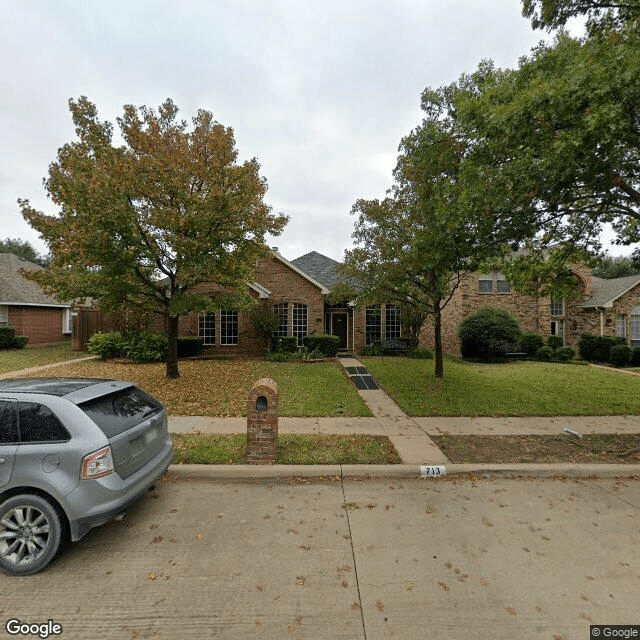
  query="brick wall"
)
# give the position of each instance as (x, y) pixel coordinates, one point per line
(39, 324)
(286, 285)
(533, 314)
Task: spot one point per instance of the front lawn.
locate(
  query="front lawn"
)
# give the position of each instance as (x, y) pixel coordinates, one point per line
(220, 387)
(201, 448)
(511, 389)
(16, 359)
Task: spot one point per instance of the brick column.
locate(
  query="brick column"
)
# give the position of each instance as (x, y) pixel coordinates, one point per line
(262, 422)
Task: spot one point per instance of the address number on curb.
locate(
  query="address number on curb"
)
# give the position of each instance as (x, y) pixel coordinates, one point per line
(432, 471)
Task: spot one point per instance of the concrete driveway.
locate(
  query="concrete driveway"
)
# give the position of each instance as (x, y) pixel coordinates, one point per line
(332, 559)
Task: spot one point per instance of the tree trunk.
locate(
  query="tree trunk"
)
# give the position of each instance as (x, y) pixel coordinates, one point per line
(437, 323)
(172, 352)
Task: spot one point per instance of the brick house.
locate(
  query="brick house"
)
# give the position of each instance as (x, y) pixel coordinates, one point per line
(26, 308)
(601, 307)
(297, 291)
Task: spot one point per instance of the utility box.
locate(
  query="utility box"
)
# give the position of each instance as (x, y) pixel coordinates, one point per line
(262, 422)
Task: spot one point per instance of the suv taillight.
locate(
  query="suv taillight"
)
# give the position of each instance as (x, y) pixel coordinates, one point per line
(97, 464)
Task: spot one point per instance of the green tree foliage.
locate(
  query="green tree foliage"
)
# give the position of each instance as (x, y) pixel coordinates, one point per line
(558, 139)
(615, 267)
(553, 14)
(415, 246)
(23, 249)
(140, 224)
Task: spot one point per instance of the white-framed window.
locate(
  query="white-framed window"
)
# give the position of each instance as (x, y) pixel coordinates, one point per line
(503, 285)
(67, 321)
(299, 322)
(393, 326)
(485, 283)
(621, 325)
(635, 326)
(373, 325)
(557, 328)
(228, 327)
(207, 328)
(4, 315)
(557, 307)
(282, 311)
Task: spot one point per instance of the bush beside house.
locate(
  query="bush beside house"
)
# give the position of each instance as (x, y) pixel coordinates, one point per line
(488, 334)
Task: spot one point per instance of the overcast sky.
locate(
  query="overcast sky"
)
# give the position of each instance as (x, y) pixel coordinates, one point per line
(320, 92)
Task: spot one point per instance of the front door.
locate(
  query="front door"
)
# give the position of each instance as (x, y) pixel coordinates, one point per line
(339, 327)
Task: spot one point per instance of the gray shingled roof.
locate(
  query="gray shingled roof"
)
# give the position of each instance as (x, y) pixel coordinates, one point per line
(606, 291)
(15, 289)
(320, 268)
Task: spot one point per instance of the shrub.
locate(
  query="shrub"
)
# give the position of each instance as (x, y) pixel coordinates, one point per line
(488, 333)
(7, 337)
(107, 345)
(148, 346)
(635, 357)
(290, 356)
(620, 355)
(19, 342)
(530, 343)
(189, 346)
(322, 342)
(555, 342)
(421, 353)
(545, 354)
(598, 348)
(373, 349)
(564, 354)
(284, 343)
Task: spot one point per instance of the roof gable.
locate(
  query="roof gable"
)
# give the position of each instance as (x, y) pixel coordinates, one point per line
(320, 268)
(15, 289)
(293, 265)
(606, 292)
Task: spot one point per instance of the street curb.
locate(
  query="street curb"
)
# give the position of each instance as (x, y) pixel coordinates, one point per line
(363, 471)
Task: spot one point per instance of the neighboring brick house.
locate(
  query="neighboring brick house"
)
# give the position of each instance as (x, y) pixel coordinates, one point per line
(601, 307)
(26, 308)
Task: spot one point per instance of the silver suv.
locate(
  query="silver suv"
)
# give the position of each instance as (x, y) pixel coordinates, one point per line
(74, 453)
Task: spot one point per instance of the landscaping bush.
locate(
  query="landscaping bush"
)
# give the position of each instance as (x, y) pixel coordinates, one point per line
(620, 355)
(9, 339)
(322, 342)
(530, 343)
(555, 342)
(598, 348)
(635, 357)
(545, 354)
(564, 354)
(488, 334)
(284, 343)
(421, 353)
(373, 349)
(190, 346)
(19, 342)
(290, 356)
(148, 346)
(107, 345)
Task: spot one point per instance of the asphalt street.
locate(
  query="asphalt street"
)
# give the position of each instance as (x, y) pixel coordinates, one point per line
(455, 557)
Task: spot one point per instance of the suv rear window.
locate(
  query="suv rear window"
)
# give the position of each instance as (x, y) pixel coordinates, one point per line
(118, 412)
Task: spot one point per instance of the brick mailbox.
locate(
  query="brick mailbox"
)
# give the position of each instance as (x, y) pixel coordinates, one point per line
(262, 422)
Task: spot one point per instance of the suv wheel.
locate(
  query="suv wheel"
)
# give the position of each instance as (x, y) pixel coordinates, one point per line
(32, 532)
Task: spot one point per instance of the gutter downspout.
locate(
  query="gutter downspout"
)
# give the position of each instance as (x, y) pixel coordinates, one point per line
(601, 309)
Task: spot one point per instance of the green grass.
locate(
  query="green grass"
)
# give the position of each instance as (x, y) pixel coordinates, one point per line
(200, 448)
(511, 389)
(16, 359)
